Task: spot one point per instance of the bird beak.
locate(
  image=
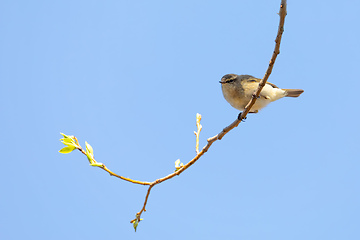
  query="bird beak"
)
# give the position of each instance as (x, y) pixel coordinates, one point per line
(222, 82)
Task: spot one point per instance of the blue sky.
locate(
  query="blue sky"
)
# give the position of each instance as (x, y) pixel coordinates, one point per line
(129, 77)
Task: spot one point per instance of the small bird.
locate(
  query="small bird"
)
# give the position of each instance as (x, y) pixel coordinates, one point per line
(239, 89)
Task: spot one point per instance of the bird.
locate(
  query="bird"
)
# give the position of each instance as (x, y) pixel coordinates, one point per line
(239, 89)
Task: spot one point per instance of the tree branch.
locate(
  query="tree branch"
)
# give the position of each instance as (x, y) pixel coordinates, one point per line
(219, 136)
(282, 13)
(72, 142)
(102, 166)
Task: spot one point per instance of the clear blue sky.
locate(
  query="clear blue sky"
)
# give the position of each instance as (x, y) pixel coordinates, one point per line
(129, 78)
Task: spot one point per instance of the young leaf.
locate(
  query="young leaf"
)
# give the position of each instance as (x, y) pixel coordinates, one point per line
(89, 149)
(66, 136)
(67, 141)
(67, 149)
(178, 165)
(89, 153)
(97, 164)
(135, 224)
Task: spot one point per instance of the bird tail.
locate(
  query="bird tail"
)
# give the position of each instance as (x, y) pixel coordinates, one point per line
(293, 92)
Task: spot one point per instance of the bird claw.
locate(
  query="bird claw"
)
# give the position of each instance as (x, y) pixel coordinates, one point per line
(254, 96)
(240, 118)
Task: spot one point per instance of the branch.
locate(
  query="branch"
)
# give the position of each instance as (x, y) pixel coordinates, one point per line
(282, 13)
(72, 143)
(242, 116)
(102, 166)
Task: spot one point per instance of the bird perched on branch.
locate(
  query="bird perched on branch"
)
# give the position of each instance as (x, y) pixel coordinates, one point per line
(239, 89)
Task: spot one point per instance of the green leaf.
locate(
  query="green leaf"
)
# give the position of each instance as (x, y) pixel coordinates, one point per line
(135, 224)
(66, 136)
(67, 140)
(72, 144)
(97, 164)
(67, 149)
(89, 149)
(90, 158)
(89, 153)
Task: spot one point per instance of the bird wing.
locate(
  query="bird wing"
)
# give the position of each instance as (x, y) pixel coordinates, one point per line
(273, 85)
(253, 79)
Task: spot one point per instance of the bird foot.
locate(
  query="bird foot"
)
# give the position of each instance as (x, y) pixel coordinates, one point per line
(240, 118)
(254, 96)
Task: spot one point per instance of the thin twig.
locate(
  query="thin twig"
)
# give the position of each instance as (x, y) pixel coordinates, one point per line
(143, 208)
(115, 175)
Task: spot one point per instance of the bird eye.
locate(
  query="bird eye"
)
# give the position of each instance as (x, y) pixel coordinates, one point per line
(230, 80)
